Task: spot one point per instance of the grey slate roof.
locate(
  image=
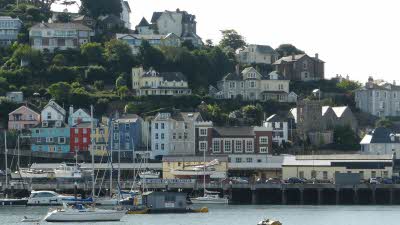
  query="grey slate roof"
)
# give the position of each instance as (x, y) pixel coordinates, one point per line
(264, 49)
(143, 23)
(168, 76)
(296, 58)
(382, 135)
(186, 17)
(234, 131)
(67, 26)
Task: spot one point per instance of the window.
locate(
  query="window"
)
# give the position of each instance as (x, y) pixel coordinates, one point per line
(61, 140)
(174, 136)
(227, 146)
(385, 174)
(115, 136)
(361, 174)
(76, 140)
(156, 146)
(162, 146)
(216, 146)
(203, 146)
(156, 126)
(263, 140)
(203, 131)
(115, 126)
(49, 139)
(156, 136)
(49, 115)
(232, 85)
(37, 131)
(185, 135)
(249, 160)
(238, 160)
(313, 174)
(127, 138)
(252, 84)
(84, 140)
(84, 131)
(38, 140)
(238, 146)
(301, 174)
(264, 150)
(127, 126)
(162, 136)
(179, 136)
(249, 146)
(325, 175)
(162, 125)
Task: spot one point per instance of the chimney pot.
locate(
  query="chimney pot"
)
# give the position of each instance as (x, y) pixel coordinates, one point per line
(316, 55)
(237, 69)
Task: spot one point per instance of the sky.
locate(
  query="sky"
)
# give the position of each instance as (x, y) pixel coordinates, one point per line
(359, 38)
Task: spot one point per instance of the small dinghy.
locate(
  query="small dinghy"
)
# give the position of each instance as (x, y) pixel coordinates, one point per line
(30, 220)
(269, 222)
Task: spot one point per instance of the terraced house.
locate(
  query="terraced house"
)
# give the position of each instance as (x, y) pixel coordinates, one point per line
(61, 36)
(9, 29)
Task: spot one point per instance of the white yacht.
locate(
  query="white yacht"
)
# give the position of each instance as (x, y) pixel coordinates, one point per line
(53, 198)
(210, 197)
(78, 213)
(31, 174)
(150, 174)
(65, 171)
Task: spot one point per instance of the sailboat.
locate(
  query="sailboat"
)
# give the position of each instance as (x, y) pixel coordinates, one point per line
(209, 197)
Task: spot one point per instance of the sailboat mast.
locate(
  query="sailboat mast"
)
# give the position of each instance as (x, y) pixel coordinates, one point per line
(5, 157)
(111, 154)
(119, 162)
(18, 153)
(204, 172)
(92, 148)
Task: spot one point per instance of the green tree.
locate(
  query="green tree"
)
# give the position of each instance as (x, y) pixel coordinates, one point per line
(94, 73)
(60, 91)
(30, 56)
(93, 52)
(99, 85)
(79, 97)
(345, 138)
(96, 8)
(348, 85)
(384, 122)
(231, 39)
(288, 49)
(120, 81)
(59, 60)
(188, 44)
(118, 55)
(122, 91)
(150, 56)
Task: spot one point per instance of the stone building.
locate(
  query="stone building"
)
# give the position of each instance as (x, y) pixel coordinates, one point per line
(300, 67)
(257, 54)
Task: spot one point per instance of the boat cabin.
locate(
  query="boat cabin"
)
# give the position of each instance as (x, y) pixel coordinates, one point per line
(165, 200)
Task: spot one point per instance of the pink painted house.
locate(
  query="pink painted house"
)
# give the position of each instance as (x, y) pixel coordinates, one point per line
(23, 118)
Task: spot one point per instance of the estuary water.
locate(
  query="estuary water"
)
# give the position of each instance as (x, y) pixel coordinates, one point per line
(240, 215)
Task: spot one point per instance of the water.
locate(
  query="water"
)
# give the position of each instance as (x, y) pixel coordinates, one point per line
(242, 215)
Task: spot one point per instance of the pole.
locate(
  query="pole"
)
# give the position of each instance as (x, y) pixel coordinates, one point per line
(5, 157)
(119, 160)
(111, 155)
(204, 173)
(92, 149)
(18, 153)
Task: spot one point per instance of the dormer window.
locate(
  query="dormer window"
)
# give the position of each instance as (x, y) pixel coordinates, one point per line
(49, 115)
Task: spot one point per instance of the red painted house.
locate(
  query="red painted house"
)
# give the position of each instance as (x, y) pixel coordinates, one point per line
(80, 137)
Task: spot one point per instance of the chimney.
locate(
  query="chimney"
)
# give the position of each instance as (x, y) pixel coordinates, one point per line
(293, 56)
(394, 82)
(316, 55)
(71, 110)
(237, 69)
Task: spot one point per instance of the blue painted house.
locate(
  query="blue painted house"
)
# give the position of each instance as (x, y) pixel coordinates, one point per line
(50, 136)
(126, 134)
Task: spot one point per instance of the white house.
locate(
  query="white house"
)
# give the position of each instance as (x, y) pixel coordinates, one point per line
(151, 82)
(279, 128)
(381, 141)
(155, 40)
(53, 112)
(126, 14)
(174, 133)
(78, 116)
(257, 54)
(251, 85)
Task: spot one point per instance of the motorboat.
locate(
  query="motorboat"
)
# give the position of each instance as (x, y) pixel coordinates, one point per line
(79, 213)
(53, 198)
(28, 173)
(210, 197)
(269, 222)
(150, 174)
(13, 202)
(65, 171)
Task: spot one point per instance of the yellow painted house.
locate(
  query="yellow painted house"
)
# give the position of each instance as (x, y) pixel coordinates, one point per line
(100, 137)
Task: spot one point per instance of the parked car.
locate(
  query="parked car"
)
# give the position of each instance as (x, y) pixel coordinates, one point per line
(374, 181)
(295, 180)
(273, 181)
(387, 181)
(239, 180)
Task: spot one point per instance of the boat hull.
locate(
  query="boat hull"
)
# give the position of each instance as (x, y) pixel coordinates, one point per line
(13, 202)
(88, 216)
(209, 201)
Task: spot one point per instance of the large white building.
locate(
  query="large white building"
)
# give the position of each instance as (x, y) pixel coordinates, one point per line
(9, 29)
(251, 85)
(126, 14)
(174, 133)
(379, 98)
(257, 54)
(53, 112)
(279, 128)
(151, 82)
(155, 40)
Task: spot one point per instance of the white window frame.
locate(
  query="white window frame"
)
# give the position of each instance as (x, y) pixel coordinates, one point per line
(249, 146)
(263, 140)
(216, 143)
(230, 146)
(61, 142)
(264, 150)
(203, 132)
(203, 146)
(238, 146)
